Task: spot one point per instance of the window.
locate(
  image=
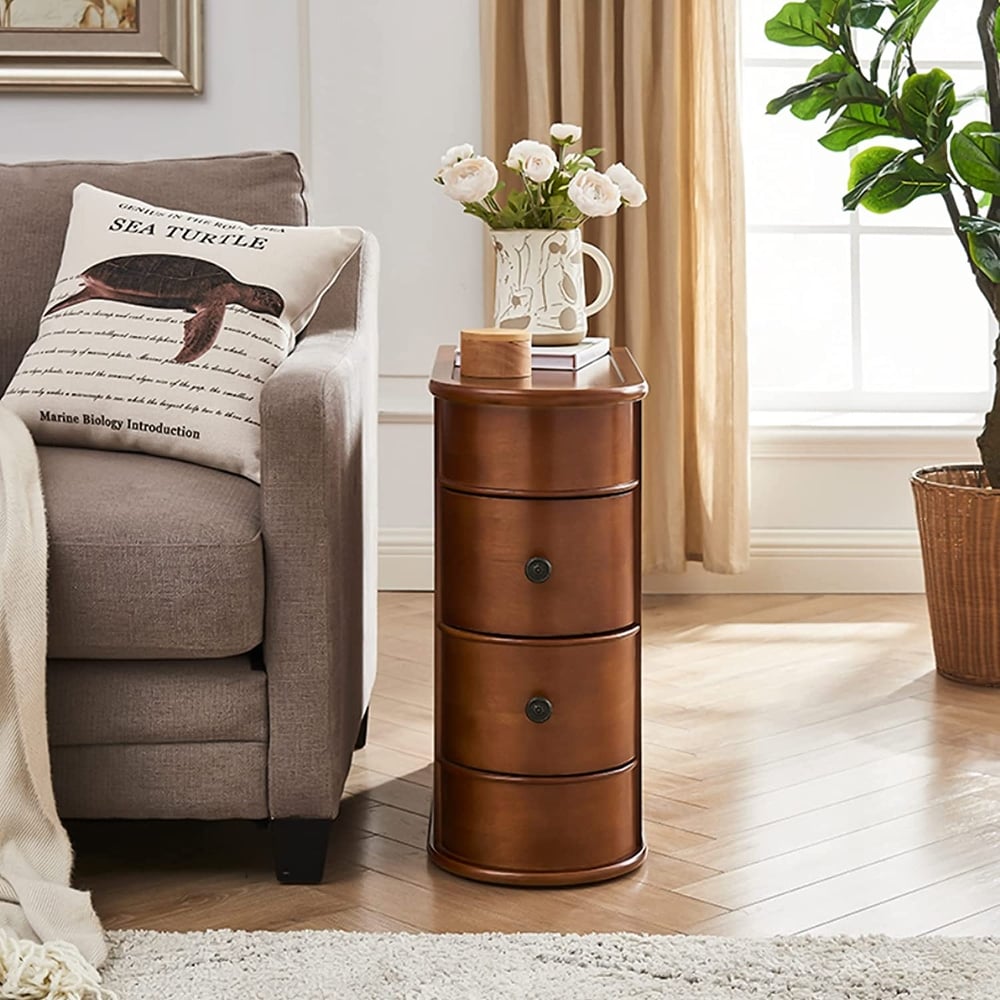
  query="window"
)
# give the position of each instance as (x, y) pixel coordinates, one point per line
(851, 310)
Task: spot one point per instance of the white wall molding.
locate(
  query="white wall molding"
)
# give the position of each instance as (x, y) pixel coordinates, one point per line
(919, 444)
(405, 399)
(782, 561)
(406, 559)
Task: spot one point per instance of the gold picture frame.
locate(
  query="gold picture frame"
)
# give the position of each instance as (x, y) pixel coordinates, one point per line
(156, 47)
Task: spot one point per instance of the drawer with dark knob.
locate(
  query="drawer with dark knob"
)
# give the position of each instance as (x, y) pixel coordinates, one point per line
(537, 567)
(537, 707)
(578, 829)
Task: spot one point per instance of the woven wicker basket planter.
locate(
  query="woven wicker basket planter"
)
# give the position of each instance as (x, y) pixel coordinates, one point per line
(959, 520)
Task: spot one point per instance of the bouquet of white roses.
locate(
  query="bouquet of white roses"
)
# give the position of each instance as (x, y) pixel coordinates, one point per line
(559, 189)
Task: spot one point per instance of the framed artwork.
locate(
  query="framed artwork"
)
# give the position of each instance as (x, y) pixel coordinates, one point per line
(95, 45)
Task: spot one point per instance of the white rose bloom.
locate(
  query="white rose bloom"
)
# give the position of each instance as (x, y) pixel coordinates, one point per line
(594, 193)
(470, 180)
(633, 193)
(564, 132)
(534, 159)
(457, 153)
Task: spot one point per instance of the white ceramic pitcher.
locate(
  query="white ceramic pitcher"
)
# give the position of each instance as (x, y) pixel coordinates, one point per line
(539, 284)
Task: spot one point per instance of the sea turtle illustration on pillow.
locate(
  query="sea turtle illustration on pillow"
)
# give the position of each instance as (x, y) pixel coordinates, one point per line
(171, 281)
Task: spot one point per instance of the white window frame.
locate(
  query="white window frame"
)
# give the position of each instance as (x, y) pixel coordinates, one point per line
(856, 399)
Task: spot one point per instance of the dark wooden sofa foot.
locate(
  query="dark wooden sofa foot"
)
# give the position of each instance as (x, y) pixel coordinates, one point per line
(299, 848)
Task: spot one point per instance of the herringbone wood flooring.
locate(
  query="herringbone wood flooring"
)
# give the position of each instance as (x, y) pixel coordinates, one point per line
(805, 769)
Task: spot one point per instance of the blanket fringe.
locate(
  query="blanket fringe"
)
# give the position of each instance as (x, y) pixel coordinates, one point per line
(53, 971)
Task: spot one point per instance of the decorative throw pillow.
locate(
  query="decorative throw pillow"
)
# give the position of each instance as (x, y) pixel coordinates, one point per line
(163, 326)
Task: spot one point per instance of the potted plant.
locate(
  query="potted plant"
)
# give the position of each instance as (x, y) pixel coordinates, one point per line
(904, 121)
(535, 232)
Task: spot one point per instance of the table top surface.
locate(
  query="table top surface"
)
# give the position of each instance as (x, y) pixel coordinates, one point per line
(615, 378)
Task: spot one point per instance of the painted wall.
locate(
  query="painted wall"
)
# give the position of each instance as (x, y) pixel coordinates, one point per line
(251, 100)
(370, 93)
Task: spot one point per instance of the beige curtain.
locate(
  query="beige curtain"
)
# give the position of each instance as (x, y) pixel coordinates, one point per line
(655, 82)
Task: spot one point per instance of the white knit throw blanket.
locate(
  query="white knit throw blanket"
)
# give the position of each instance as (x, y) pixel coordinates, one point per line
(50, 937)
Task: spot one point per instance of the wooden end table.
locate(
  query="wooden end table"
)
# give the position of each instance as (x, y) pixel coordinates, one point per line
(537, 610)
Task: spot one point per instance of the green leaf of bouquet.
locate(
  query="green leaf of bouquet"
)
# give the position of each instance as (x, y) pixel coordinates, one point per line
(858, 123)
(927, 103)
(798, 24)
(593, 151)
(975, 151)
(884, 179)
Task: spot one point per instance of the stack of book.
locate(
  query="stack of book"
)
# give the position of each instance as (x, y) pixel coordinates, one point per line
(571, 357)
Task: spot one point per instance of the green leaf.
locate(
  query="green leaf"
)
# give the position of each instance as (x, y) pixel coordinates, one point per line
(975, 151)
(977, 224)
(801, 91)
(903, 30)
(979, 94)
(826, 10)
(858, 123)
(984, 244)
(927, 103)
(825, 98)
(593, 151)
(866, 13)
(884, 179)
(900, 58)
(856, 89)
(938, 160)
(798, 24)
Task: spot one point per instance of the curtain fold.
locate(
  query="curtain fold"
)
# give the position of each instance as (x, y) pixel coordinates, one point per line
(656, 83)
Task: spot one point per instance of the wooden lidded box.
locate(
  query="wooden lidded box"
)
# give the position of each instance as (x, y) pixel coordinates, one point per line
(537, 612)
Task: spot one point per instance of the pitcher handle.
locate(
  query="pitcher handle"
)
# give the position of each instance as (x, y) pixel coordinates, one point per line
(607, 278)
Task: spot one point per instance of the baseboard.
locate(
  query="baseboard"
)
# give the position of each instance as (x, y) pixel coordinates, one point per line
(405, 559)
(783, 561)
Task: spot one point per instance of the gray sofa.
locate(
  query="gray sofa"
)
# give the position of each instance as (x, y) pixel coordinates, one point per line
(212, 642)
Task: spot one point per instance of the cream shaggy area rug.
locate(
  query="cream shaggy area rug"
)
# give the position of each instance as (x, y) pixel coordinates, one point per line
(310, 965)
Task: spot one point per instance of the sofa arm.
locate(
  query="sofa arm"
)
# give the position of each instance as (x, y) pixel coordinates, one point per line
(319, 524)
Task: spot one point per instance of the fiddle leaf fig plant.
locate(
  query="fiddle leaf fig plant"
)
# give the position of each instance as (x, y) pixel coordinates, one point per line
(901, 124)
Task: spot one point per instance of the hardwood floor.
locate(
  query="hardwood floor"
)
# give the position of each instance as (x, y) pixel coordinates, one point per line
(805, 770)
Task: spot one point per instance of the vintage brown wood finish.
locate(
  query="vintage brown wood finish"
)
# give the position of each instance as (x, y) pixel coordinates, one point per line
(521, 450)
(487, 542)
(484, 684)
(537, 610)
(557, 829)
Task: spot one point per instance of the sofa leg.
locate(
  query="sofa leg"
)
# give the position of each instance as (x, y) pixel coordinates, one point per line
(299, 848)
(363, 731)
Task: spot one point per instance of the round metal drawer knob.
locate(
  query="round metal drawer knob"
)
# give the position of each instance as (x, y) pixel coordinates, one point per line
(537, 569)
(538, 709)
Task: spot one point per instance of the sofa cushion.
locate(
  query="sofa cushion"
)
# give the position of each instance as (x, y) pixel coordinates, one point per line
(35, 201)
(156, 701)
(150, 558)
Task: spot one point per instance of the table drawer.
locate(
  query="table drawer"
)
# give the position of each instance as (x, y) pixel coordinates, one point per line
(556, 825)
(520, 449)
(537, 567)
(537, 707)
